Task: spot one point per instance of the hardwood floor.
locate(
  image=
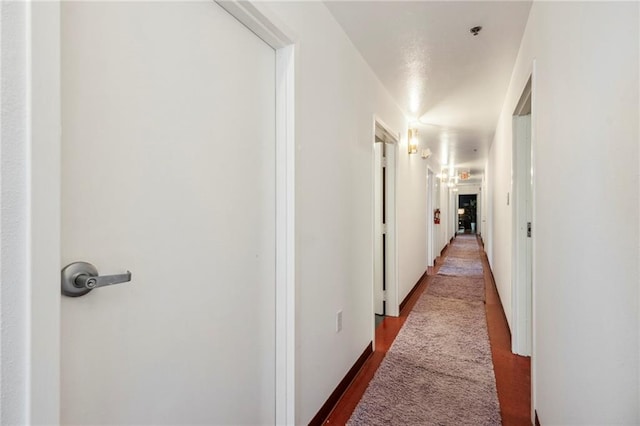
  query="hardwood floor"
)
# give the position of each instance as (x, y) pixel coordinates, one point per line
(512, 371)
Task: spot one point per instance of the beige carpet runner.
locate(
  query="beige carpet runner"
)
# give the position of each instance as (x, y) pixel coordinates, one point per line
(439, 369)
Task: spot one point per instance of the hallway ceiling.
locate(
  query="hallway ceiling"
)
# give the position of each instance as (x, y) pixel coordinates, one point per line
(451, 83)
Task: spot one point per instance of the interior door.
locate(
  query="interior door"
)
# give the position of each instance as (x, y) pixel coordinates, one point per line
(528, 184)
(523, 212)
(169, 172)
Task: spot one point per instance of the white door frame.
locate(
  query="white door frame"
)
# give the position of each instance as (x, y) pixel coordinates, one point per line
(463, 190)
(378, 231)
(392, 304)
(430, 225)
(34, 394)
(522, 288)
(516, 289)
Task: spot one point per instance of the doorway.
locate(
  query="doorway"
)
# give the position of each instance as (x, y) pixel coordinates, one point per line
(467, 213)
(523, 227)
(384, 295)
(431, 211)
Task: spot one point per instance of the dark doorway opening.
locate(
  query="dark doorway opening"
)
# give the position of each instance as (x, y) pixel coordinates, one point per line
(467, 206)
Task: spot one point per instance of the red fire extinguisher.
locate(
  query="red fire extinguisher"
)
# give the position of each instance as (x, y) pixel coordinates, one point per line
(436, 216)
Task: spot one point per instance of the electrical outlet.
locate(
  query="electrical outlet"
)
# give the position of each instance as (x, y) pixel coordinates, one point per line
(338, 321)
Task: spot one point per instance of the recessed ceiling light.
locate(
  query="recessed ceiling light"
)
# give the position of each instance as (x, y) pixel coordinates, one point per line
(475, 30)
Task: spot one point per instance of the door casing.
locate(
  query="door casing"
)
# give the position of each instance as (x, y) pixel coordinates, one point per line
(522, 197)
(431, 238)
(391, 260)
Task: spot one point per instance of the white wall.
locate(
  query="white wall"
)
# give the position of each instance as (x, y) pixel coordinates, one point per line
(586, 221)
(337, 96)
(13, 224)
(29, 144)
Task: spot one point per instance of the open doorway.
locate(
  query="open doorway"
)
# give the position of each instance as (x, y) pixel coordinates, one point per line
(430, 220)
(384, 294)
(467, 213)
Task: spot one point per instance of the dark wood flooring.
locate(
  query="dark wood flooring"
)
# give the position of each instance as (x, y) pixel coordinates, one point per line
(512, 372)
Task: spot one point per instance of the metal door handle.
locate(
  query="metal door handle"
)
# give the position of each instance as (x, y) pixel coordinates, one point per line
(79, 278)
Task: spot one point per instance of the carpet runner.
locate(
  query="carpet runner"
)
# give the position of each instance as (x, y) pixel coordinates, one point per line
(439, 369)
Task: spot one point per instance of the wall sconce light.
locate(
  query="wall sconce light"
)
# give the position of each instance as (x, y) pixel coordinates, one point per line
(412, 141)
(425, 153)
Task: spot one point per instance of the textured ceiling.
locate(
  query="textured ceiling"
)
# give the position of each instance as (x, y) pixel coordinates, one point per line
(449, 81)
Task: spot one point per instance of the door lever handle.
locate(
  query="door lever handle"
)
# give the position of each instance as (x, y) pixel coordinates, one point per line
(87, 281)
(79, 278)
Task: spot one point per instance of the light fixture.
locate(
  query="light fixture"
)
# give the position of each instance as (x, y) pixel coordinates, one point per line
(460, 211)
(425, 153)
(412, 141)
(464, 175)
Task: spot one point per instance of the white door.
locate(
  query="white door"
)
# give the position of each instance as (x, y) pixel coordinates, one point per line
(523, 216)
(169, 172)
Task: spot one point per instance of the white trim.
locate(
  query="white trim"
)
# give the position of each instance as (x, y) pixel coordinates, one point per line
(392, 303)
(431, 245)
(31, 208)
(377, 121)
(377, 226)
(44, 214)
(393, 295)
(522, 282)
(534, 357)
(285, 232)
(13, 221)
(257, 18)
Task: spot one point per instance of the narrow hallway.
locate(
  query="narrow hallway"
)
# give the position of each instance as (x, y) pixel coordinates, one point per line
(439, 369)
(319, 163)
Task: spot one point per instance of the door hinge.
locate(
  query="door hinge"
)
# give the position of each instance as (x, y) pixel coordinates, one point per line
(384, 295)
(529, 229)
(384, 161)
(384, 228)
